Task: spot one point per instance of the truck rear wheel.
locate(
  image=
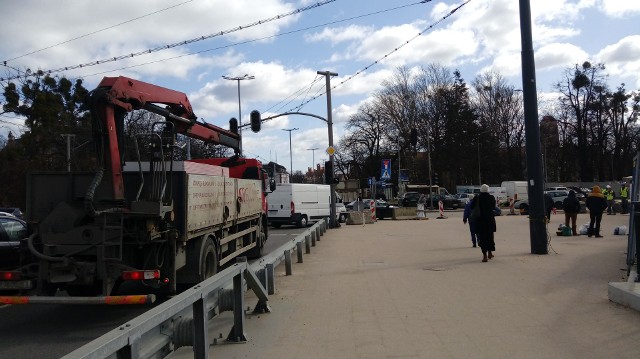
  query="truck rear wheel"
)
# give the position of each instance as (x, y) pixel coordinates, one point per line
(208, 260)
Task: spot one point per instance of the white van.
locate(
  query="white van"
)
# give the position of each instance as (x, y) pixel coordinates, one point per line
(298, 203)
(518, 190)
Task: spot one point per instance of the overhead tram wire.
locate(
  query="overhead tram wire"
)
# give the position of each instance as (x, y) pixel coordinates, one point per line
(176, 44)
(291, 98)
(225, 46)
(450, 13)
(97, 31)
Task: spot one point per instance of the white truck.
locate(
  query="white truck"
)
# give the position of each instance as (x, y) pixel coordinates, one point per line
(299, 204)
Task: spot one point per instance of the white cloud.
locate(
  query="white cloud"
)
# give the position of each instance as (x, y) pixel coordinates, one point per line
(559, 55)
(623, 57)
(620, 8)
(184, 22)
(340, 34)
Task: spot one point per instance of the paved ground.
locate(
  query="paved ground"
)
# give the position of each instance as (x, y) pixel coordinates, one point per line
(416, 289)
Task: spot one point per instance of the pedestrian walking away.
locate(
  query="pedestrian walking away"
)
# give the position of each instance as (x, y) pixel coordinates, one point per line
(624, 196)
(608, 196)
(486, 223)
(466, 217)
(596, 204)
(571, 207)
(548, 206)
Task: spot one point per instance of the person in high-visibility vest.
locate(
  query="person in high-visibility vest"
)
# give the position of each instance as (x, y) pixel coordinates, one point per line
(608, 195)
(624, 195)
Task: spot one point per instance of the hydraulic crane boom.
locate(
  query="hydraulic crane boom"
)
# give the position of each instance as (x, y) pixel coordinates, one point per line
(115, 96)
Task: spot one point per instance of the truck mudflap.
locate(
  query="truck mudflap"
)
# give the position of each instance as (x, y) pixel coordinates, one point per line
(106, 300)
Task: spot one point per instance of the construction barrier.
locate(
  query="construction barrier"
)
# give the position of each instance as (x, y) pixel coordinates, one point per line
(372, 205)
(420, 211)
(441, 209)
(512, 210)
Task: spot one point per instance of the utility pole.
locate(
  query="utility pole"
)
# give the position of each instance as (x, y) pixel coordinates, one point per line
(68, 136)
(537, 230)
(290, 151)
(313, 162)
(327, 75)
(238, 79)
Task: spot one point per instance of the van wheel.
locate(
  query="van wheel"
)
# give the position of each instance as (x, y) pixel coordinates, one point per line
(302, 222)
(276, 225)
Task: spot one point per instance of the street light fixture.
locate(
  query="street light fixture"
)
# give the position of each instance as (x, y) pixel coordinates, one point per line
(313, 162)
(238, 79)
(290, 152)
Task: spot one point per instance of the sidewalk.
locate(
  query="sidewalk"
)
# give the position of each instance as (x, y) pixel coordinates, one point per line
(417, 289)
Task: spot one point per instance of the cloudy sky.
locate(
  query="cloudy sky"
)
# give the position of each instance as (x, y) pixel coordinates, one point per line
(285, 52)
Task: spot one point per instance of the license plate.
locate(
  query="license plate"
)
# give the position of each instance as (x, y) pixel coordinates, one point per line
(20, 284)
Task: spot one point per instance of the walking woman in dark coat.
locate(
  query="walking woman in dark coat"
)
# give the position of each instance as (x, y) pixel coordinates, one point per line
(486, 224)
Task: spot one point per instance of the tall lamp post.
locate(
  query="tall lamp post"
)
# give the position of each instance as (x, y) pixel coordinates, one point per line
(238, 79)
(290, 151)
(313, 162)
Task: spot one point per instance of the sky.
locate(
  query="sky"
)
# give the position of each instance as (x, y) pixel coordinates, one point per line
(284, 49)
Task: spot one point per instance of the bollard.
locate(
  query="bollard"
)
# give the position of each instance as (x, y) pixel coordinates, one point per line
(270, 278)
(299, 250)
(313, 238)
(307, 244)
(318, 234)
(287, 262)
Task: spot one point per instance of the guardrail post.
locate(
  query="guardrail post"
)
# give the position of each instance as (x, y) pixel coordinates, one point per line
(287, 261)
(318, 234)
(237, 333)
(270, 278)
(200, 330)
(307, 244)
(313, 238)
(299, 251)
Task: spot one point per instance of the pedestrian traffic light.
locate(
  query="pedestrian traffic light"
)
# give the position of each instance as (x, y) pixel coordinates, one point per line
(328, 174)
(233, 125)
(256, 121)
(414, 137)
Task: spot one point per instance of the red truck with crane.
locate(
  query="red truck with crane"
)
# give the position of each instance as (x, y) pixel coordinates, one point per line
(163, 223)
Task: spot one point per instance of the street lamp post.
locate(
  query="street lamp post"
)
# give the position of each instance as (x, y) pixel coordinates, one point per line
(290, 152)
(238, 79)
(313, 162)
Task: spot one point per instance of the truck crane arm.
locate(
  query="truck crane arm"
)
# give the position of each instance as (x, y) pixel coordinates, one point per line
(116, 96)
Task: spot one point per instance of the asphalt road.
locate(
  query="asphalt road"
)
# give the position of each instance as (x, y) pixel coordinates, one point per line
(51, 331)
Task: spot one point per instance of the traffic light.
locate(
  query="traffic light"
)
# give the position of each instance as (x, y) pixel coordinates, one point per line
(233, 125)
(436, 180)
(256, 121)
(328, 174)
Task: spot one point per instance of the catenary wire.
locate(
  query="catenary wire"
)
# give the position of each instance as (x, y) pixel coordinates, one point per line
(450, 13)
(176, 44)
(96, 31)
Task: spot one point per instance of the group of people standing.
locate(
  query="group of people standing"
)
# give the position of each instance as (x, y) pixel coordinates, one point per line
(479, 213)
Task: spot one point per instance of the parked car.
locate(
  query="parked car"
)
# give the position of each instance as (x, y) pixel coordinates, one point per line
(341, 212)
(448, 201)
(581, 192)
(558, 197)
(464, 198)
(12, 211)
(12, 231)
(410, 199)
(383, 208)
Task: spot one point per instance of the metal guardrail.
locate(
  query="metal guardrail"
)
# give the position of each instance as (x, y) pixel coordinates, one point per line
(183, 320)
